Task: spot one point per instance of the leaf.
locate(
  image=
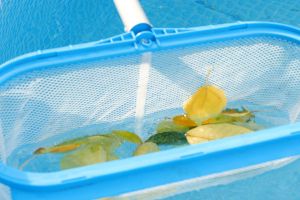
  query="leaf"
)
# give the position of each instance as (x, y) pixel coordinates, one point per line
(79, 140)
(169, 126)
(207, 102)
(145, 148)
(65, 146)
(87, 155)
(83, 140)
(109, 141)
(57, 149)
(111, 156)
(230, 116)
(183, 120)
(210, 132)
(128, 136)
(243, 115)
(175, 138)
(236, 112)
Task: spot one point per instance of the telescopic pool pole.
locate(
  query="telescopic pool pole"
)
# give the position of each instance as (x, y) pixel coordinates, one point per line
(132, 15)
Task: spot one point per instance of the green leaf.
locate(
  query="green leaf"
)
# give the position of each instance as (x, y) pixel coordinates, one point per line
(86, 155)
(168, 125)
(145, 148)
(173, 138)
(128, 136)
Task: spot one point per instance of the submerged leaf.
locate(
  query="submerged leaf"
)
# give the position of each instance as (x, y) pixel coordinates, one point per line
(87, 155)
(145, 148)
(79, 140)
(128, 136)
(206, 103)
(230, 116)
(209, 132)
(57, 149)
(169, 126)
(111, 156)
(243, 115)
(109, 141)
(183, 120)
(174, 138)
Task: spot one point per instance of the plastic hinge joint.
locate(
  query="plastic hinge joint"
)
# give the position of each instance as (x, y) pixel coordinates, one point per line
(145, 38)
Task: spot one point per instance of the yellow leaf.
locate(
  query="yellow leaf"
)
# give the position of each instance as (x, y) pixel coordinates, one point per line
(206, 103)
(196, 140)
(210, 132)
(57, 149)
(243, 113)
(111, 156)
(231, 116)
(126, 135)
(183, 120)
(87, 155)
(145, 148)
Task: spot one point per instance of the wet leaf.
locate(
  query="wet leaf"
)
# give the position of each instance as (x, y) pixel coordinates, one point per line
(65, 146)
(174, 138)
(207, 102)
(111, 156)
(108, 141)
(243, 115)
(168, 125)
(87, 155)
(210, 132)
(57, 149)
(128, 136)
(230, 116)
(183, 120)
(79, 140)
(145, 148)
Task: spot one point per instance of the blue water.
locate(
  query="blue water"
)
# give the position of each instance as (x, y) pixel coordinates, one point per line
(30, 25)
(280, 184)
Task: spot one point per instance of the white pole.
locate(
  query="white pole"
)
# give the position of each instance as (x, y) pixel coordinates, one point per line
(144, 74)
(131, 13)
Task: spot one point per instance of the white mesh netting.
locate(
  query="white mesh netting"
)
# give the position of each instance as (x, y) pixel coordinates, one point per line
(260, 72)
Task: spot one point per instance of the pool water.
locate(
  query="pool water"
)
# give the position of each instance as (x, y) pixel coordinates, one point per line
(27, 27)
(259, 182)
(277, 184)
